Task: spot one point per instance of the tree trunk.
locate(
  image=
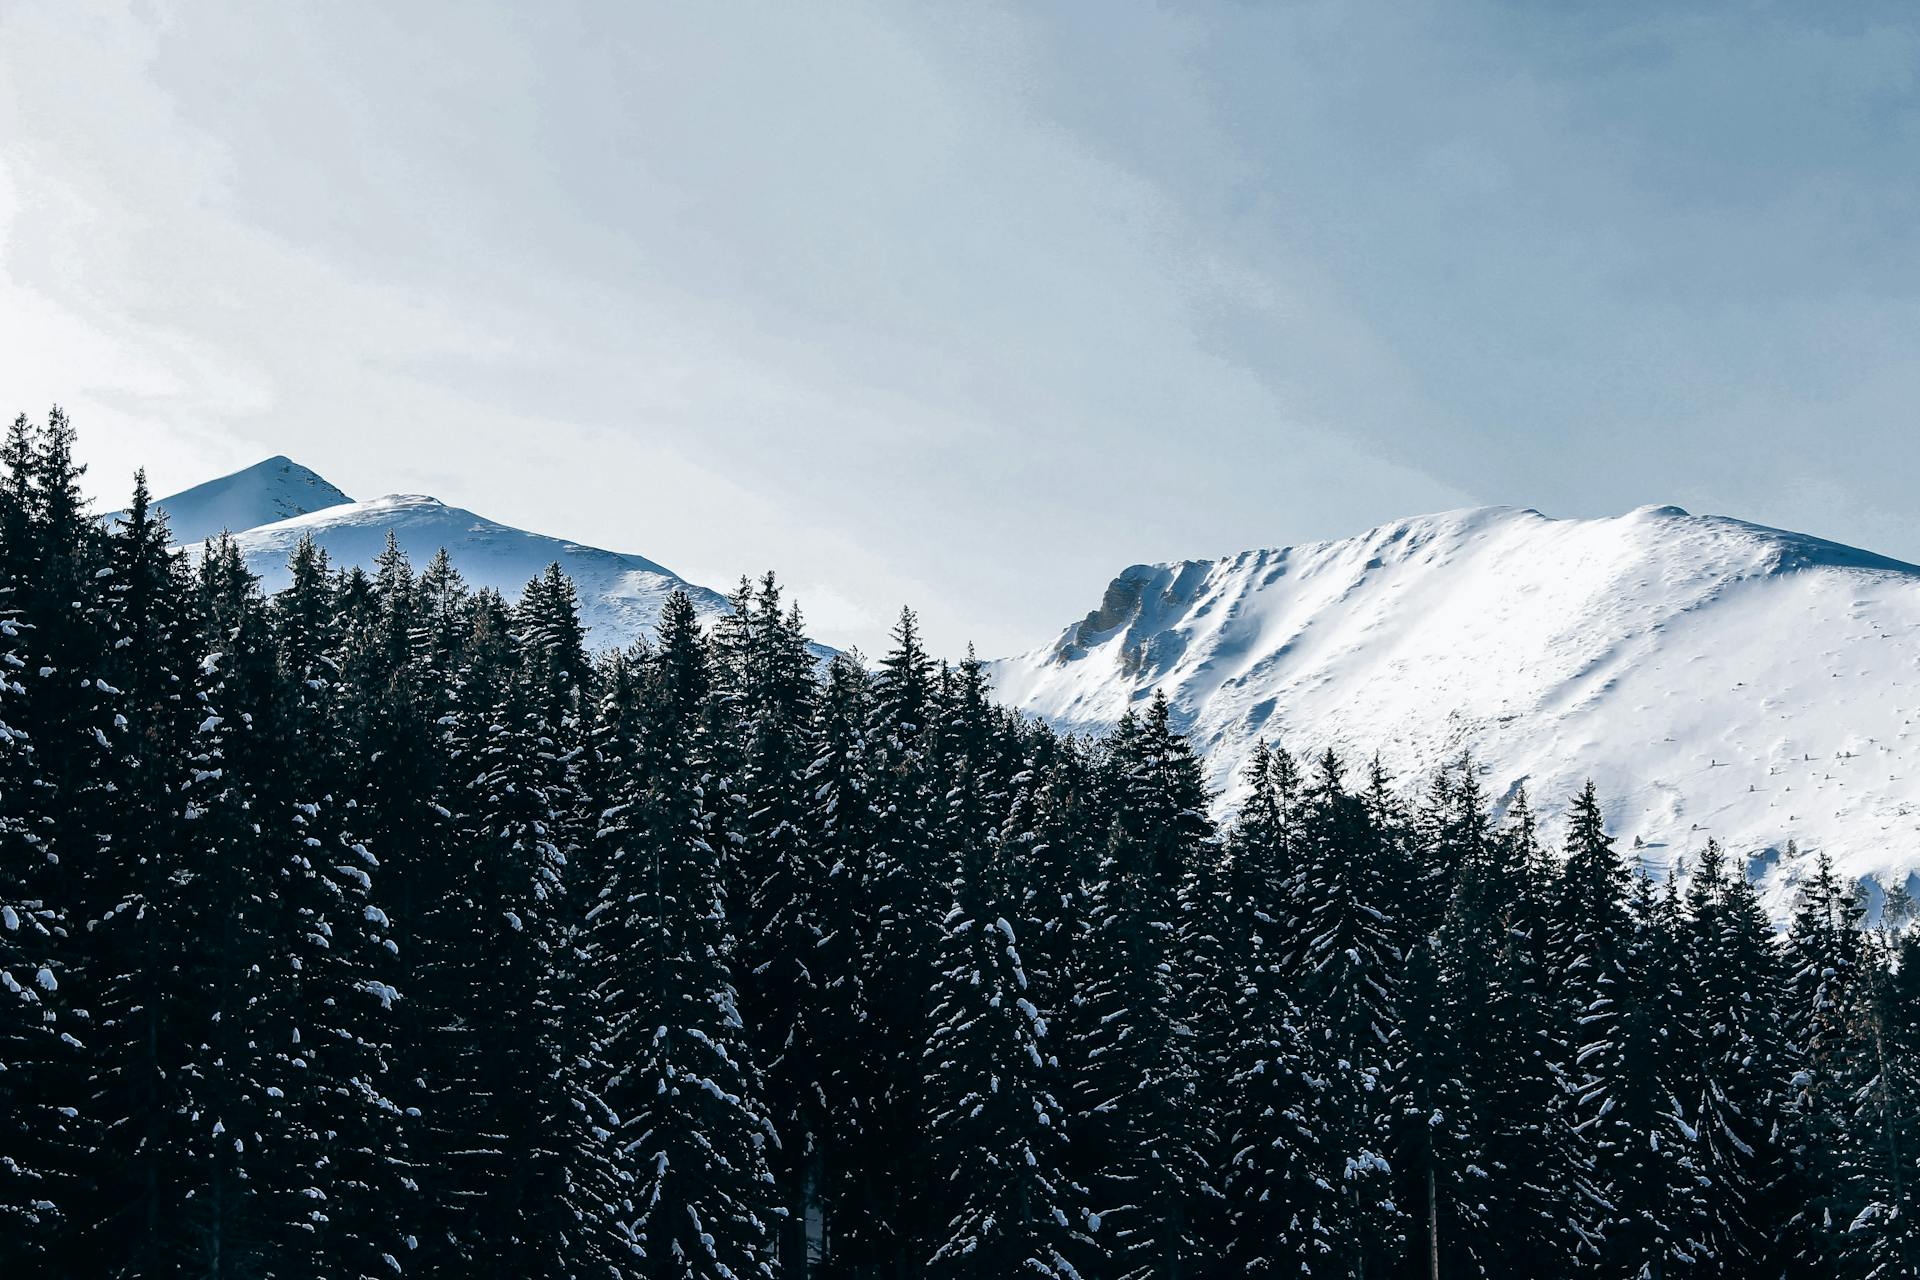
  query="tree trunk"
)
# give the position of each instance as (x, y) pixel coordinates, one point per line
(1433, 1227)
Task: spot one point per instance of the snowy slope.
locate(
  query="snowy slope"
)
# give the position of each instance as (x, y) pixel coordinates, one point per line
(267, 491)
(1714, 678)
(620, 595)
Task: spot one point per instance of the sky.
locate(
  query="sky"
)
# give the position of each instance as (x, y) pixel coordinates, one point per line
(968, 306)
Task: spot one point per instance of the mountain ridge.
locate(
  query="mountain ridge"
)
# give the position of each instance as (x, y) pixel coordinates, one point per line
(1697, 667)
(1622, 647)
(621, 595)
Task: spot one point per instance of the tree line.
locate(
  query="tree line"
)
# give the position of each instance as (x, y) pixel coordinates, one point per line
(379, 928)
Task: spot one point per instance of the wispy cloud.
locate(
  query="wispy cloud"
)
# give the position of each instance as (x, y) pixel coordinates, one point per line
(961, 308)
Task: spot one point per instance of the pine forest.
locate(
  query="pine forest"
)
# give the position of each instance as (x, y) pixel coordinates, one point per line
(382, 928)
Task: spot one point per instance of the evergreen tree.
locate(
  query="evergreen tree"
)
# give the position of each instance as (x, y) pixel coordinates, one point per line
(1644, 1143)
(394, 708)
(1824, 960)
(42, 1136)
(1882, 1153)
(1732, 969)
(1140, 1108)
(381, 929)
(1348, 968)
(1439, 1157)
(1590, 939)
(840, 826)
(304, 1024)
(1524, 1042)
(515, 1117)
(1277, 1184)
(905, 871)
(766, 677)
(143, 935)
(692, 1132)
(997, 1127)
(1057, 863)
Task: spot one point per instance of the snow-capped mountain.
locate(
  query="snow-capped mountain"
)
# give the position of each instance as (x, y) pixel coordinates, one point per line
(267, 491)
(1713, 677)
(620, 595)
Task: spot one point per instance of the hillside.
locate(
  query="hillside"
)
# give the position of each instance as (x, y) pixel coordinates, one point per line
(620, 595)
(1714, 678)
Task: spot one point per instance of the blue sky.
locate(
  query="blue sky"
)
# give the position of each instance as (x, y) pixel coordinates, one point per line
(970, 306)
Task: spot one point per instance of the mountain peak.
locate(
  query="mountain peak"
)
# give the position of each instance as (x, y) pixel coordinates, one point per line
(1712, 676)
(271, 490)
(621, 596)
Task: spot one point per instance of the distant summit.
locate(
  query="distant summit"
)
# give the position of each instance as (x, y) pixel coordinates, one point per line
(263, 493)
(620, 595)
(271, 506)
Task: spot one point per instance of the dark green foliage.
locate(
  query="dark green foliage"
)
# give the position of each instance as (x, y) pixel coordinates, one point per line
(998, 1131)
(689, 1122)
(1348, 969)
(382, 929)
(1140, 1113)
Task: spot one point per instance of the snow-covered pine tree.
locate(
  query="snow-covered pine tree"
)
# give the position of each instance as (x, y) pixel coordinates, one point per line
(693, 1132)
(1439, 1133)
(1347, 970)
(66, 710)
(1540, 1188)
(1056, 831)
(1824, 950)
(44, 1135)
(1880, 1162)
(582, 1190)
(1825, 955)
(906, 860)
(302, 1036)
(443, 621)
(67, 652)
(359, 660)
(1278, 1190)
(1590, 937)
(142, 936)
(232, 1122)
(1058, 860)
(1212, 963)
(731, 663)
(1453, 837)
(557, 1197)
(1138, 1109)
(305, 627)
(765, 676)
(516, 1134)
(840, 831)
(1236, 909)
(1645, 1144)
(997, 1127)
(1734, 980)
(344, 977)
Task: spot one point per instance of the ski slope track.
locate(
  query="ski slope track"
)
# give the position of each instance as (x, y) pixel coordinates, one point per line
(1714, 678)
(621, 596)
